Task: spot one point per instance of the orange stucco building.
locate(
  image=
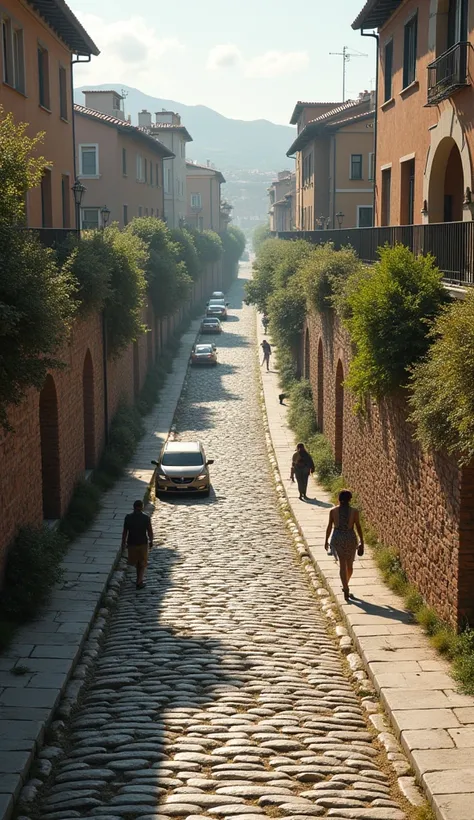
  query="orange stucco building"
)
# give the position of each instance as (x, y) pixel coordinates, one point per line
(334, 150)
(204, 209)
(36, 87)
(425, 108)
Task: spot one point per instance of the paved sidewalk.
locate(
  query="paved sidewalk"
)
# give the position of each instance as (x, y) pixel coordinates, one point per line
(50, 647)
(434, 723)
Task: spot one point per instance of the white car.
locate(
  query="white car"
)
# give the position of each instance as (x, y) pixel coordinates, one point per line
(182, 467)
(217, 295)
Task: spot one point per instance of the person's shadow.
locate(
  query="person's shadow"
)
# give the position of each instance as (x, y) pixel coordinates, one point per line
(315, 502)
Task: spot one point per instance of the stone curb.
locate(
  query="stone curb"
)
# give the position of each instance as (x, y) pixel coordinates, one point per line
(27, 708)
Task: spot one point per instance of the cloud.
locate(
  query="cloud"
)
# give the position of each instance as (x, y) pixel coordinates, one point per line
(276, 64)
(131, 51)
(223, 56)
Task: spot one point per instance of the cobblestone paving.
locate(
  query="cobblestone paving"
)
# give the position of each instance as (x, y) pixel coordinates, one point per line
(219, 692)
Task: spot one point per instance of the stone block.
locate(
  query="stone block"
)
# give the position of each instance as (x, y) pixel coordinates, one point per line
(426, 739)
(450, 782)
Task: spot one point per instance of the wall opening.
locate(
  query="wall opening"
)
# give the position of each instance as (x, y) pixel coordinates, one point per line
(50, 464)
(136, 369)
(89, 412)
(320, 386)
(307, 356)
(446, 184)
(339, 425)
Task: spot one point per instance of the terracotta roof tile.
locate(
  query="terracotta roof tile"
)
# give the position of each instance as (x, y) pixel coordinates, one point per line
(124, 126)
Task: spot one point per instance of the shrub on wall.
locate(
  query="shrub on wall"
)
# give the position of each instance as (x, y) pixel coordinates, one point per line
(276, 262)
(259, 236)
(187, 252)
(325, 273)
(168, 281)
(127, 287)
(287, 310)
(388, 309)
(208, 246)
(88, 261)
(442, 397)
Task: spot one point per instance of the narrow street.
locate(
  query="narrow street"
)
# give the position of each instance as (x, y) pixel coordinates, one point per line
(219, 691)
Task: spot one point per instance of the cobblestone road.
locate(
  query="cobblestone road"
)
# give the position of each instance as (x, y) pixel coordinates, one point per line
(219, 692)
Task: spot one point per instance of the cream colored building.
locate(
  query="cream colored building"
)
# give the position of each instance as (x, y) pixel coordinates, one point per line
(281, 194)
(121, 166)
(334, 152)
(204, 206)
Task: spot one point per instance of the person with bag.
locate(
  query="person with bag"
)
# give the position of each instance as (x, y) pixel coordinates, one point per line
(301, 466)
(267, 352)
(137, 536)
(342, 520)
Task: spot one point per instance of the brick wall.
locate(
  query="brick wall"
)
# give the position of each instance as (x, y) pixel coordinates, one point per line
(420, 503)
(60, 432)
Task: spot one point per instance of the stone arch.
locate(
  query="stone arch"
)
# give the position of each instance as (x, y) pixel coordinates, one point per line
(307, 356)
(339, 415)
(88, 411)
(320, 386)
(50, 461)
(136, 369)
(448, 168)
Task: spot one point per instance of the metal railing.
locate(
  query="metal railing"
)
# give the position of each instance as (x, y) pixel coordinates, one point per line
(451, 244)
(52, 237)
(448, 73)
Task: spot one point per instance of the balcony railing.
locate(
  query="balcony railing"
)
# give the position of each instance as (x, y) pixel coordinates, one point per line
(52, 237)
(448, 73)
(451, 244)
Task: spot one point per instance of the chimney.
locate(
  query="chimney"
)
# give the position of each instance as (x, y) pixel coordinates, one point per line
(144, 119)
(107, 102)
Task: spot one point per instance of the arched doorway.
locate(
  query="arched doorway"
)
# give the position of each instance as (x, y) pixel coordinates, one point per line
(339, 420)
(136, 369)
(320, 386)
(446, 183)
(50, 463)
(88, 411)
(307, 355)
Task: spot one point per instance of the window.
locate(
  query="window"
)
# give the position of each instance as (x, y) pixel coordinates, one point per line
(409, 51)
(364, 216)
(43, 77)
(151, 173)
(146, 211)
(140, 210)
(308, 169)
(371, 166)
(196, 201)
(388, 71)
(66, 201)
(168, 180)
(13, 55)
(407, 192)
(386, 195)
(90, 219)
(151, 212)
(145, 176)
(88, 160)
(157, 174)
(124, 162)
(62, 93)
(140, 168)
(356, 166)
(46, 200)
(125, 214)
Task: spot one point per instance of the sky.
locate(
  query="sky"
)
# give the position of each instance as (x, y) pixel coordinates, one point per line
(248, 60)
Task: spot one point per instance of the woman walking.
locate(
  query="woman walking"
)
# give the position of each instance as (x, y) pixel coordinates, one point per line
(343, 519)
(301, 466)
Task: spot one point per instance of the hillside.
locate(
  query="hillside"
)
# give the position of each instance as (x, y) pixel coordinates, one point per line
(229, 144)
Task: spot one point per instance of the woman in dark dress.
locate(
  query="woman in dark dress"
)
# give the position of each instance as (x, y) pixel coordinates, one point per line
(301, 466)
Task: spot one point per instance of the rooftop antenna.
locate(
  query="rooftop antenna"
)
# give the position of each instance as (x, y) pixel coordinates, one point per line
(124, 94)
(346, 54)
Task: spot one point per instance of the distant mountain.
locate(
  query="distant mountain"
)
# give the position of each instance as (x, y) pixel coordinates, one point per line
(232, 145)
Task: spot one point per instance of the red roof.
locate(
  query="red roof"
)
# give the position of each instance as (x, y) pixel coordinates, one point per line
(205, 168)
(125, 127)
(169, 126)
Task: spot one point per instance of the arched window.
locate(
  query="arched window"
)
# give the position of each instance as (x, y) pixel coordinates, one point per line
(50, 463)
(89, 412)
(339, 425)
(320, 386)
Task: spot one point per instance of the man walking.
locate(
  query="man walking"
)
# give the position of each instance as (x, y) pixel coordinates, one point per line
(267, 352)
(137, 536)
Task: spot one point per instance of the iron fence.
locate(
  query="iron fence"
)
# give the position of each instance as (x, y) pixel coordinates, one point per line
(448, 73)
(451, 244)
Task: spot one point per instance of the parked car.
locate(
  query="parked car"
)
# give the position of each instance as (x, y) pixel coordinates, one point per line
(216, 295)
(211, 325)
(204, 354)
(217, 308)
(182, 467)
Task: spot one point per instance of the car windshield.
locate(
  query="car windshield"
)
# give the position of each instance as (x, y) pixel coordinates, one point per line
(203, 349)
(217, 303)
(182, 459)
(211, 322)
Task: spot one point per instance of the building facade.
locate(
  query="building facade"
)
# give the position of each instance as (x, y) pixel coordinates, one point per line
(169, 130)
(204, 200)
(424, 173)
(36, 88)
(281, 195)
(120, 165)
(334, 152)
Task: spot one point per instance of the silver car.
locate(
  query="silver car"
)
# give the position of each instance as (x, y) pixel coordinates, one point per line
(183, 467)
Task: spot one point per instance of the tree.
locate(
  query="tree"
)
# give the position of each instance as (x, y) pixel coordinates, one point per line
(208, 245)
(260, 235)
(233, 243)
(37, 303)
(127, 261)
(187, 252)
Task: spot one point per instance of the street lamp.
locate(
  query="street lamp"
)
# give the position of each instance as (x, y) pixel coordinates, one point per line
(78, 190)
(340, 219)
(105, 214)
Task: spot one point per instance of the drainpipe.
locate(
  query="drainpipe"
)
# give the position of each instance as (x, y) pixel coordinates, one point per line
(377, 54)
(334, 138)
(73, 121)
